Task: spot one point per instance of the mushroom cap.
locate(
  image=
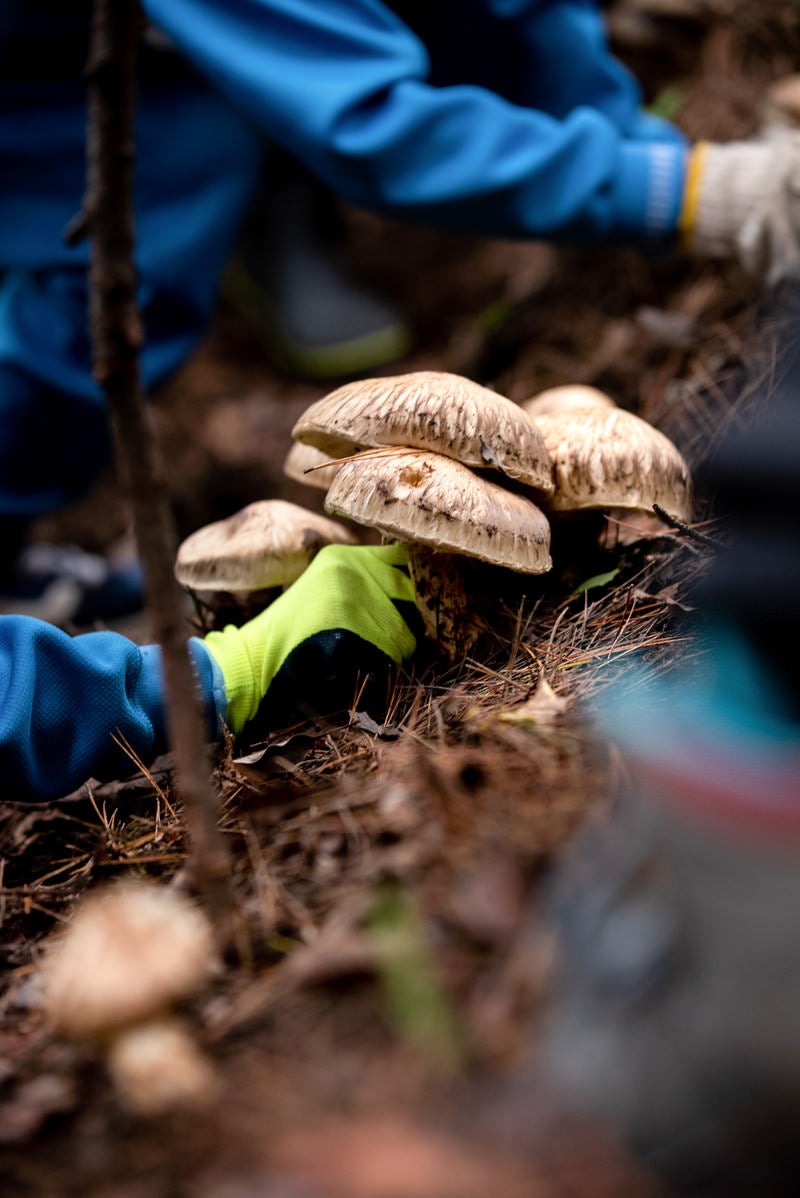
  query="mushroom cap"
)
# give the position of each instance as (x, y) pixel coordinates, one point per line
(610, 458)
(566, 399)
(302, 458)
(267, 544)
(429, 409)
(130, 951)
(416, 495)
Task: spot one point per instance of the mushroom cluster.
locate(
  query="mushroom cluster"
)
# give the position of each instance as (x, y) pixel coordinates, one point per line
(110, 980)
(421, 457)
(458, 471)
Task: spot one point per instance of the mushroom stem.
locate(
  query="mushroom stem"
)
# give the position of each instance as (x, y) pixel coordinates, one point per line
(214, 610)
(158, 1067)
(443, 600)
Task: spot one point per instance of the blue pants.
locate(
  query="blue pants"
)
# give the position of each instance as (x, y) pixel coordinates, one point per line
(197, 163)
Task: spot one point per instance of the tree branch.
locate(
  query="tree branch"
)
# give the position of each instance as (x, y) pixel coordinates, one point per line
(116, 332)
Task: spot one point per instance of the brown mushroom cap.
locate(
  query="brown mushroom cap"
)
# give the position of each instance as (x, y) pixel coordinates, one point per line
(311, 466)
(609, 458)
(129, 952)
(565, 399)
(415, 495)
(432, 410)
(267, 544)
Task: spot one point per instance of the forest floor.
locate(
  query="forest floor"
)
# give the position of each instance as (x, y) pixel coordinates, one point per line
(377, 1035)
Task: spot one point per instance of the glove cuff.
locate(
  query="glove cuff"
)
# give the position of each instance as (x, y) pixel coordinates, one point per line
(646, 189)
(229, 650)
(212, 686)
(723, 185)
(735, 205)
(695, 169)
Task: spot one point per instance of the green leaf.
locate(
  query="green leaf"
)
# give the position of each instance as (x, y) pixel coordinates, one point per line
(598, 580)
(416, 1004)
(669, 101)
(495, 315)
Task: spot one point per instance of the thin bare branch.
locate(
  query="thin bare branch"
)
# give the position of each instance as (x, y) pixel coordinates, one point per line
(117, 336)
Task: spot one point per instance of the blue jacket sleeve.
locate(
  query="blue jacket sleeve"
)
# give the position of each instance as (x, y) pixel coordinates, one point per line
(347, 87)
(561, 61)
(63, 700)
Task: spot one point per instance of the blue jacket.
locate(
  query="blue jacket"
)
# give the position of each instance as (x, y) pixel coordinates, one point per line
(495, 117)
(501, 117)
(64, 700)
(510, 118)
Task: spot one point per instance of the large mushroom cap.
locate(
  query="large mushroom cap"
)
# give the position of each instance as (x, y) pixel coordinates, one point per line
(609, 458)
(433, 410)
(267, 544)
(129, 952)
(570, 397)
(311, 466)
(414, 495)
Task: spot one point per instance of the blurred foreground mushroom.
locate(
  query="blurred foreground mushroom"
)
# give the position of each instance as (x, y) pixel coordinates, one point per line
(431, 410)
(445, 511)
(605, 458)
(111, 979)
(244, 560)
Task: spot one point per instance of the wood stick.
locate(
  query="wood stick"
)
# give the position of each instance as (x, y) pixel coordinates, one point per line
(117, 336)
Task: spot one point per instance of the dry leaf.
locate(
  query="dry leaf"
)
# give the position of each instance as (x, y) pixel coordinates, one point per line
(542, 709)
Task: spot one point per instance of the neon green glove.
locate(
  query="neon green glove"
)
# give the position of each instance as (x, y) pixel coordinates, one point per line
(331, 637)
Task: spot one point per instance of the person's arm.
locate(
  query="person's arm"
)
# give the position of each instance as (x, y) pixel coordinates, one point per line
(561, 61)
(68, 703)
(345, 86)
(332, 638)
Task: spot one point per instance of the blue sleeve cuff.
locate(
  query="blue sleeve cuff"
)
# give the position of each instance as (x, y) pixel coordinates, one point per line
(150, 690)
(212, 687)
(647, 190)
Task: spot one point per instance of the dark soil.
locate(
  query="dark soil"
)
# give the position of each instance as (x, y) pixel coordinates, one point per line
(375, 1033)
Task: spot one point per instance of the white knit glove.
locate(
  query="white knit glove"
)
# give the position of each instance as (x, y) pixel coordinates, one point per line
(742, 200)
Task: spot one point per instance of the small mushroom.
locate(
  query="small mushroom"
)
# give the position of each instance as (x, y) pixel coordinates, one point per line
(246, 558)
(305, 464)
(607, 458)
(429, 410)
(445, 511)
(566, 399)
(111, 979)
